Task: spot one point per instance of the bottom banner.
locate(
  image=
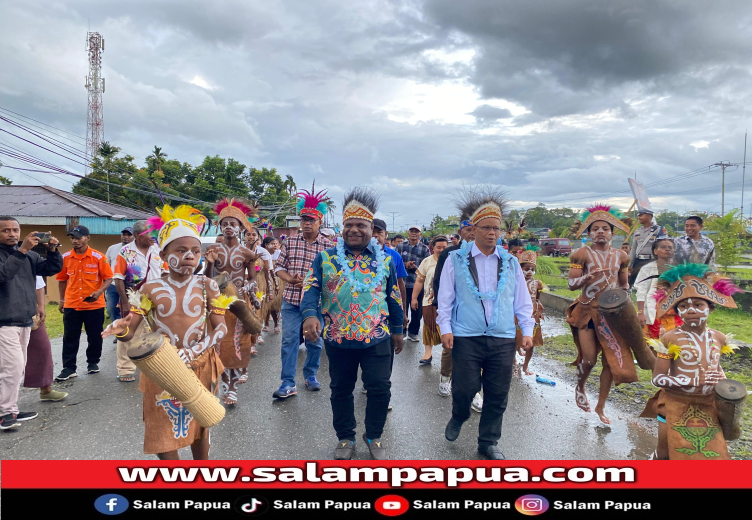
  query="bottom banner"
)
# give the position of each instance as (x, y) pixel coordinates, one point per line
(364, 503)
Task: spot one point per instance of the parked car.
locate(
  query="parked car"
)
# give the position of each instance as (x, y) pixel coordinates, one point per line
(555, 247)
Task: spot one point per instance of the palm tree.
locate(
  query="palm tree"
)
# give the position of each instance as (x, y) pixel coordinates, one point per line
(107, 152)
(289, 185)
(157, 156)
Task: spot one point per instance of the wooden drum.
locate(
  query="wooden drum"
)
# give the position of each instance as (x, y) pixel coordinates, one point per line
(159, 360)
(730, 398)
(239, 308)
(616, 307)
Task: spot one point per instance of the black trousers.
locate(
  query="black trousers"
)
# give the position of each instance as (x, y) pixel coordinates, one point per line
(376, 364)
(494, 357)
(93, 322)
(415, 316)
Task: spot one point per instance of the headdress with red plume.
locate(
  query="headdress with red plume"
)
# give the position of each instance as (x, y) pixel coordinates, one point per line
(694, 281)
(312, 204)
(245, 213)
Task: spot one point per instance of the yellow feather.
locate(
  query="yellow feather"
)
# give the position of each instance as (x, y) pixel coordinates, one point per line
(674, 350)
(134, 297)
(653, 343)
(728, 349)
(260, 295)
(146, 304)
(223, 301)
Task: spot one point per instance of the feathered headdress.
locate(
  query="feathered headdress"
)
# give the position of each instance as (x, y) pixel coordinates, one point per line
(529, 255)
(311, 203)
(172, 223)
(694, 281)
(606, 213)
(360, 203)
(482, 202)
(245, 213)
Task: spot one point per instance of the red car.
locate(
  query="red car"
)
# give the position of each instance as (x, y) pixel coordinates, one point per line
(555, 247)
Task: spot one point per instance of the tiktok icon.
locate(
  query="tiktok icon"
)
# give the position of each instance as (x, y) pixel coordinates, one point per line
(251, 505)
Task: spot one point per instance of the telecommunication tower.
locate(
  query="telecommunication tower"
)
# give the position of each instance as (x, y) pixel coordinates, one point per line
(95, 86)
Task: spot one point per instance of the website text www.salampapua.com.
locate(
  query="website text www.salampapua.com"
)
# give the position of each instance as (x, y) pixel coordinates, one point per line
(394, 476)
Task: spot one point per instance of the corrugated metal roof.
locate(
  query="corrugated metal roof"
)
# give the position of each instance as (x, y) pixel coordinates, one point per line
(45, 201)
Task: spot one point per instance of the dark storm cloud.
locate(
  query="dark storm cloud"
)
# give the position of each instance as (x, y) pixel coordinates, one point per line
(560, 58)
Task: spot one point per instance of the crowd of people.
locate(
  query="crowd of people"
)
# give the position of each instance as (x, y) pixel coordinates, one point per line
(357, 296)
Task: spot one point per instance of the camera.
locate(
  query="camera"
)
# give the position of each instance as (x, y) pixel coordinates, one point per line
(44, 238)
(532, 504)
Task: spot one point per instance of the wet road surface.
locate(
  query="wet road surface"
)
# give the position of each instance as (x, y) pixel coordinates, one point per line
(101, 418)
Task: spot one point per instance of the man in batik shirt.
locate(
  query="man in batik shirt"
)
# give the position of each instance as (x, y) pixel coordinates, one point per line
(355, 284)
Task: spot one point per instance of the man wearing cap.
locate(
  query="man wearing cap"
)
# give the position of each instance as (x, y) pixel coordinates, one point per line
(642, 243)
(85, 277)
(111, 295)
(137, 262)
(413, 252)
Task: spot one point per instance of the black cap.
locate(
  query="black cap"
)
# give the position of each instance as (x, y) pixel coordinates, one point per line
(127, 230)
(379, 224)
(79, 231)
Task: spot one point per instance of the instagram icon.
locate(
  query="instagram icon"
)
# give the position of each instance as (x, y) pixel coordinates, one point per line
(531, 505)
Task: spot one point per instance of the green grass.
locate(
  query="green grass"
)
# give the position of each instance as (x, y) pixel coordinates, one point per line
(557, 285)
(54, 321)
(634, 396)
(734, 321)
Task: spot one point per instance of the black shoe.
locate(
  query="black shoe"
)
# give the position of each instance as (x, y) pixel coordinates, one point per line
(26, 416)
(426, 361)
(8, 421)
(452, 430)
(66, 374)
(344, 450)
(376, 447)
(492, 453)
(92, 368)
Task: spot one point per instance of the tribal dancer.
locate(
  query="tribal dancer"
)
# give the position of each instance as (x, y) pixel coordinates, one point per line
(177, 307)
(482, 290)
(237, 260)
(595, 269)
(688, 366)
(528, 260)
(264, 287)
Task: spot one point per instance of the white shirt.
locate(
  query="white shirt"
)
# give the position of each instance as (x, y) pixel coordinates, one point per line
(276, 254)
(150, 263)
(40, 283)
(488, 267)
(265, 256)
(112, 253)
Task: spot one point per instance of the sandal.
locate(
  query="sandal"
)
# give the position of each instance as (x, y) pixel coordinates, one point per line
(127, 378)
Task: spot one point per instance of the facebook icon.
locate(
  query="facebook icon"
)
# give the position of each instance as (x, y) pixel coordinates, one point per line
(111, 504)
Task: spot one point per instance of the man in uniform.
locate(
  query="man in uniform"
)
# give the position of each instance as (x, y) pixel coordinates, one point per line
(641, 252)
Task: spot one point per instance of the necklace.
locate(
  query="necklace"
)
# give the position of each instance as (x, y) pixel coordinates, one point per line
(349, 265)
(464, 254)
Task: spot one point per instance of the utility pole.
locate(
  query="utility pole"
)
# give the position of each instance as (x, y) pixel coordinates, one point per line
(393, 213)
(723, 165)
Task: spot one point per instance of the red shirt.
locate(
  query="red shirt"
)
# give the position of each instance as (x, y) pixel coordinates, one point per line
(85, 274)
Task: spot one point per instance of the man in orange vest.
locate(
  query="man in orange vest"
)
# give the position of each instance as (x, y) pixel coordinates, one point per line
(85, 277)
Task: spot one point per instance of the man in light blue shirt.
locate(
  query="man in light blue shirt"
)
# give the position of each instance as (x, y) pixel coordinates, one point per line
(482, 290)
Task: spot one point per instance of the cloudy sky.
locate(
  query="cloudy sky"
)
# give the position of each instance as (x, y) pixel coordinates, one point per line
(559, 101)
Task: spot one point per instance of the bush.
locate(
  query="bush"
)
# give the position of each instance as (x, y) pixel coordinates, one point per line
(547, 266)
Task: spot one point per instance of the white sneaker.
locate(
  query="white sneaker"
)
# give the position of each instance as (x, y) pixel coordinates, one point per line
(412, 337)
(477, 403)
(445, 386)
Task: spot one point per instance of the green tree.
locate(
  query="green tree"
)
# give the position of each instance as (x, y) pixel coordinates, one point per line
(5, 181)
(730, 238)
(156, 158)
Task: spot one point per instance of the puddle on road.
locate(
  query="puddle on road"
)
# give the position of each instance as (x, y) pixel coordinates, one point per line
(625, 435)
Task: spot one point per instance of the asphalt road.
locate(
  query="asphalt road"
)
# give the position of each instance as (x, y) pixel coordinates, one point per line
(101, 418)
